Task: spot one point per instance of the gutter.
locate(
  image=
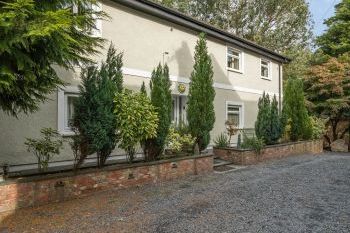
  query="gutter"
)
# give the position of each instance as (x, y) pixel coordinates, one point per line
(181, 19)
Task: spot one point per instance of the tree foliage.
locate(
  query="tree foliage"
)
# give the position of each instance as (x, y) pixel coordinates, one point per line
(35, 35)
(161, 99)
(200, 112)
(136, 118)
(327, 87)
(94, 117)
(294, 111)
(336, 40)
(276, 24)
(268, 125)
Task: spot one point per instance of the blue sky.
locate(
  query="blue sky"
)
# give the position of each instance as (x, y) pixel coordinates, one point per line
(321, 10)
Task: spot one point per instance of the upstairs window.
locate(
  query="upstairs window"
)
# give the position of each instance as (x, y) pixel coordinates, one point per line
(234, 59)
(265, 69)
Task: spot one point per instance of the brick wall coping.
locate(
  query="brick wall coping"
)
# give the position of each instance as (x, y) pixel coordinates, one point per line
(113, 167)
(267, 146)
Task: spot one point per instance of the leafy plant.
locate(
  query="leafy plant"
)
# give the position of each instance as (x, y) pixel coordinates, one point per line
(136, 118)
(232, 129)
(94, 117)
(178, 141)
(35, 35)
(161, 99)
(200, 112)
(222, 141)
(254, 143)
(46, 147)
(318, 127)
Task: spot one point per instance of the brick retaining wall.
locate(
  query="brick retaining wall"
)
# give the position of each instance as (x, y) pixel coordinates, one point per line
(247, 157)
(43, 189)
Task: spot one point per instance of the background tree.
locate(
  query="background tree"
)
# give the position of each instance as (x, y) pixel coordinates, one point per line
(294, 110)
(136, 119)
(161, 99)
(200, 112)
(94, 116)
(281, 25)
(35, 35)
(327, 89)
(336, 40)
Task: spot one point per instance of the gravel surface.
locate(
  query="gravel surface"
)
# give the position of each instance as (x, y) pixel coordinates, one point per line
(298, 194)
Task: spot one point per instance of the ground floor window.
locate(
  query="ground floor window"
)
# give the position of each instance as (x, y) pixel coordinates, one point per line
(179, 109)
(234, 113)
(66, 100)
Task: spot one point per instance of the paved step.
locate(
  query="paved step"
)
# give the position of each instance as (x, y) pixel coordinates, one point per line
(221, 162)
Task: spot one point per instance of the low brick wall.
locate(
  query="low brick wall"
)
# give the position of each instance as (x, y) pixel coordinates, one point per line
(40, 189)
(247, 157)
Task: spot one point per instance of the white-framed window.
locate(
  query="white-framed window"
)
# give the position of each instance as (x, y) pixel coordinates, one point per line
(97, 30)
(65, 102)
(265, 69)
(235, 113)
(234, 60)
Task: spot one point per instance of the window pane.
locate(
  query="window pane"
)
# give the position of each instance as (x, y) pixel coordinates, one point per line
(264, 63)
(70, 110)
(233, 117)
(232, 108)
(233, 63)
(264, 71)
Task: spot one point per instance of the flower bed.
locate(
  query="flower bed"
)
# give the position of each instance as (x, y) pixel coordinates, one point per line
(43, 189)
(249, 156)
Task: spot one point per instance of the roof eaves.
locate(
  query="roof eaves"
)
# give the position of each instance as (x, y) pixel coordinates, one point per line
(189, 22)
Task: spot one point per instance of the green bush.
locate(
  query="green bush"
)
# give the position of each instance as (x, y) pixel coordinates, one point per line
(94, 119)
(222, 141)
(178, 140)
(294, 111)
(318, 127)
(137, 120)
(268, 124)
(44, 149)
(254, 143)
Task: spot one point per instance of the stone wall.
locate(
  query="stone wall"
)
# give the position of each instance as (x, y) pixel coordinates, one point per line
(40, 189)
(247, 157)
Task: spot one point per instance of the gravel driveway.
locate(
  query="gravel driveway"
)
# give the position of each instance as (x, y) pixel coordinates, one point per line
(298, 194)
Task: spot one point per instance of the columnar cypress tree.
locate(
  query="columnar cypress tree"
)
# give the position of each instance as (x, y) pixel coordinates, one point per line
(161, 99)
(94, 116)
(263, 123)
(200, 113)
(275, 122)
(294, 110)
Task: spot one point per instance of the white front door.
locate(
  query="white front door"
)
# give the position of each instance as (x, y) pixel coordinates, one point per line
(179, 114)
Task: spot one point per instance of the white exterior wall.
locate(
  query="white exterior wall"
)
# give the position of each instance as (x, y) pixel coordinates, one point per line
(143, 40)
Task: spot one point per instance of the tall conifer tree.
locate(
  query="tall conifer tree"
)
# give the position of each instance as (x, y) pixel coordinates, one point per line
(200, 113)
(161, 99)
(94, 116)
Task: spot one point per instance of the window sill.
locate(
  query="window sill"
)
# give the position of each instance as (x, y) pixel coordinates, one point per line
(234, 70)
(266, 78)
(66, 133)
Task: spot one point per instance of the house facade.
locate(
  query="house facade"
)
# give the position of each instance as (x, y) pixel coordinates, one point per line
(149, 34)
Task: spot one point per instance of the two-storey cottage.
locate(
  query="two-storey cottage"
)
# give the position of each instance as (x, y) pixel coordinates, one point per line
(147, 34)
